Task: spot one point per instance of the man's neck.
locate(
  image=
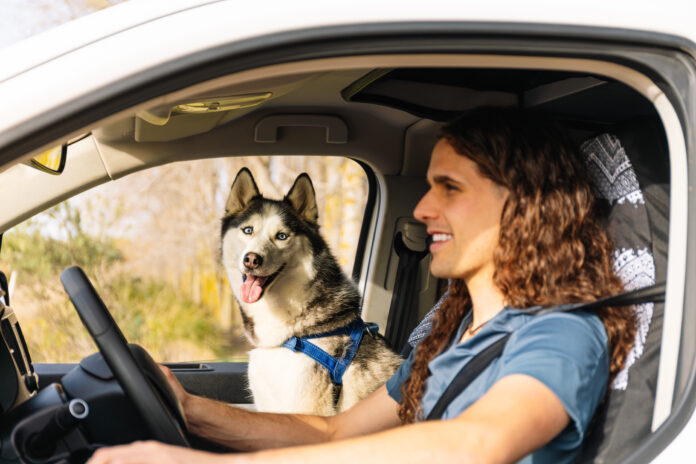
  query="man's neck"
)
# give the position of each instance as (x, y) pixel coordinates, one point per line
(486, 299)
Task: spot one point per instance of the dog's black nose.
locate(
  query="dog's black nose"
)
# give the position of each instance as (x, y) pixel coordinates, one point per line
(252, 260)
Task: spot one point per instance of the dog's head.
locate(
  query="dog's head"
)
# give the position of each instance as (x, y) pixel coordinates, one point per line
(263, 239)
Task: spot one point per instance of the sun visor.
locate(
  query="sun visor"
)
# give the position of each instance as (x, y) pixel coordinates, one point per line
(183, 116)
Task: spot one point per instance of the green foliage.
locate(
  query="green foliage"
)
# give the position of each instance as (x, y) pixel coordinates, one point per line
(154, 314)
(30, 251)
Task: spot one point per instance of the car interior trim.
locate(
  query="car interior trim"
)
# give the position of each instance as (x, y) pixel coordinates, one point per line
(676, 264)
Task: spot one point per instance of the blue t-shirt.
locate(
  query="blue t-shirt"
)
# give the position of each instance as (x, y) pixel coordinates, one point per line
(567, 352)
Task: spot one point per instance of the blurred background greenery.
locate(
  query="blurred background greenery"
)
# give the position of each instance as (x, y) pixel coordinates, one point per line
(150, 244)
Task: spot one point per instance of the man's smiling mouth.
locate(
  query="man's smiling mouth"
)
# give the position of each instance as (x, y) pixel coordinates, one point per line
(253, 286)
(441, 237)
(438, 240)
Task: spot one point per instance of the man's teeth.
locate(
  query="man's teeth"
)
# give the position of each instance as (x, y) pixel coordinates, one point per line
(441, 237)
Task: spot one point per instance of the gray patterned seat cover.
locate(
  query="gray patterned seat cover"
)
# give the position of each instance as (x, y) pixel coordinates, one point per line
(615, 181)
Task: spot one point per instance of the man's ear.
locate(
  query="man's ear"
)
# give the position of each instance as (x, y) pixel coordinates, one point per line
(301, 196)
(243, 190)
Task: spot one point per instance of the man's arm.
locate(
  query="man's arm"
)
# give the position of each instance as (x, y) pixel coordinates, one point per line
(250, 431)
(518, 415)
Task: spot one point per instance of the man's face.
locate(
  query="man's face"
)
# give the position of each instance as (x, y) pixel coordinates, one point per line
(462, 212)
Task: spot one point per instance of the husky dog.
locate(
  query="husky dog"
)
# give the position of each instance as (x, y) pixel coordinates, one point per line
(292, 294)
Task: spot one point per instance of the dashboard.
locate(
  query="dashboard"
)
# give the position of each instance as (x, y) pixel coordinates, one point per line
(18, 381)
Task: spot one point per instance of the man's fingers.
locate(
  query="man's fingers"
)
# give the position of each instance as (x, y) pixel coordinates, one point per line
(179, 390)
(167, 372)
(150, 452)
(135, 453)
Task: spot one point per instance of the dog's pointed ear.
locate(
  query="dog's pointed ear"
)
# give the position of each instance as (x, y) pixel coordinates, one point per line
(243, 190)
(301, 196)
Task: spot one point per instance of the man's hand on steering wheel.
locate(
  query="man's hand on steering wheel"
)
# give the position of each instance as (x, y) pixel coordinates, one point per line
(152, 452)
(182, 395)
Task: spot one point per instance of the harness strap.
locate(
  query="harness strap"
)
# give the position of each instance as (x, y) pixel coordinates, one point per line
(472, 369)
(336, 366)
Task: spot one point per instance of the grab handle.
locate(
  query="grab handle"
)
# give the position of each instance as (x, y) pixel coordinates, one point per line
(267, 128)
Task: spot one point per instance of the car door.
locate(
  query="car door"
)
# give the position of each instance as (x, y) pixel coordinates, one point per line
(659, 66)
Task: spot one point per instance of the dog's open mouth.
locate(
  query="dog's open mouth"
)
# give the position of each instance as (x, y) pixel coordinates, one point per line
(253, 285)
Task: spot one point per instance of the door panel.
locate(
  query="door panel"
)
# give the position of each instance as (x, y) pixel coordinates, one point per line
(225, 382)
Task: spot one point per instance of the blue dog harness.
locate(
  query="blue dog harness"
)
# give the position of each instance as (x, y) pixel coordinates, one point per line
(336, 366)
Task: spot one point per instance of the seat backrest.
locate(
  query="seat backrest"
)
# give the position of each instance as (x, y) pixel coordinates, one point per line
(630, 170)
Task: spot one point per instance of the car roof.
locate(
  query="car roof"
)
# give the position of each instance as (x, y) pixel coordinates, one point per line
(127, 40)
(269, 16)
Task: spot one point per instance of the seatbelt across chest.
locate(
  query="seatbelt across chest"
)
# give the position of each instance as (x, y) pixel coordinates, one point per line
(472, 369)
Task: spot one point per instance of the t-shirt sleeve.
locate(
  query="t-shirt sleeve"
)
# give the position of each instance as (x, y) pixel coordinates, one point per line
(568, 354)
(394, 383)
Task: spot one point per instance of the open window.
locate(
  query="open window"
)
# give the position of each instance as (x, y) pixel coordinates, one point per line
(151, 242)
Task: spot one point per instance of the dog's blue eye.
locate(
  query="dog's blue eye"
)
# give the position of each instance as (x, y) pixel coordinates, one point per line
(248, 230)
(281, 236)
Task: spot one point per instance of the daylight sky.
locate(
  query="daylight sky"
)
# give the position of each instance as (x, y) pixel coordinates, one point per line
(23, 18)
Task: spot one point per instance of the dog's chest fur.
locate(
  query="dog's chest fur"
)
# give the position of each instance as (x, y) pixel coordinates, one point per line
(289, 382)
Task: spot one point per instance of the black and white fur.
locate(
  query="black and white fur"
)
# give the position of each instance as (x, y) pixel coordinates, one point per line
(306, 293)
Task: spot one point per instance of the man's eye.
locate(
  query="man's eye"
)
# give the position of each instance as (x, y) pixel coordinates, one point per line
(248, 230)
(451, 188)
(281, 236)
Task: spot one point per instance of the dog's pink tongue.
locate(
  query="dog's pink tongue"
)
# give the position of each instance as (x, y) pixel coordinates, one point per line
(251, 288)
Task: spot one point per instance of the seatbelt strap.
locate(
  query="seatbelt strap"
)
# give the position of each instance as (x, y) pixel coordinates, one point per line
(402, 318)
(472, 369)
(650, 294)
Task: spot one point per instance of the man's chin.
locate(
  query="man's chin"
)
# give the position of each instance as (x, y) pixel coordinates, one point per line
(447, 270)
(441, 271)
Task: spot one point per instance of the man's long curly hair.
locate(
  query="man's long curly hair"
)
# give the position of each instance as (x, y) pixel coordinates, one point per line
(552, 248)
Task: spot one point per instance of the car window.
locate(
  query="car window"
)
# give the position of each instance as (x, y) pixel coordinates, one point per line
(151, 244)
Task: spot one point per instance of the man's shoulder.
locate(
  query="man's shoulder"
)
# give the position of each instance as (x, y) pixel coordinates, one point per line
(562, 329)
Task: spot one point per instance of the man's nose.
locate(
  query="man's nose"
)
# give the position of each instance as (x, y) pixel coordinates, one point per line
(425, 209)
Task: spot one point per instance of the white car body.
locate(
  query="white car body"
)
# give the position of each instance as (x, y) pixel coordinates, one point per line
(66, 69)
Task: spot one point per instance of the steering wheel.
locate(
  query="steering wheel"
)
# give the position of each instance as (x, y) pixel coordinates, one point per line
(142, 380)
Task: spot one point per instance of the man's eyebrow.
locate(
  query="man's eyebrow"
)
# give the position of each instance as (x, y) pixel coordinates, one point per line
(444, 179)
